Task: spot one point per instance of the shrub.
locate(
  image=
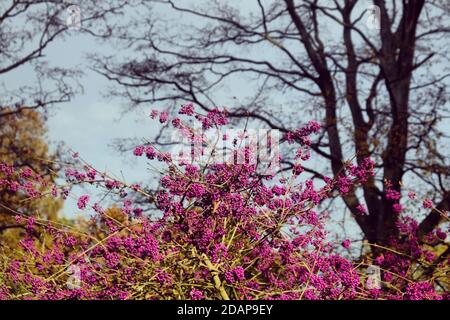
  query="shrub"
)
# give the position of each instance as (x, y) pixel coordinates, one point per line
(223, 231)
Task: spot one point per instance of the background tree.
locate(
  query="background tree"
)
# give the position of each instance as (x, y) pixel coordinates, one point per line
(380, 93)
(28, 28)
(23, 145)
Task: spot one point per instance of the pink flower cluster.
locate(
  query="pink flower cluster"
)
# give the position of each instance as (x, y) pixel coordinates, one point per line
(220, 232)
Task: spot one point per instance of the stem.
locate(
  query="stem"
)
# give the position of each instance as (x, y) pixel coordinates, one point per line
(217, 283)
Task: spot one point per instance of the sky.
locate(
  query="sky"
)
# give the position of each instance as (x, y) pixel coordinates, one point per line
(91, 122)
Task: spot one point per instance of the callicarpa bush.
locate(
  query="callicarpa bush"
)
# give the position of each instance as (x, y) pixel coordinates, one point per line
(222, 231)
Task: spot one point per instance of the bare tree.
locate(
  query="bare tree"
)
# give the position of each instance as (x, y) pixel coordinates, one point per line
(27, 30)
(381, 93)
